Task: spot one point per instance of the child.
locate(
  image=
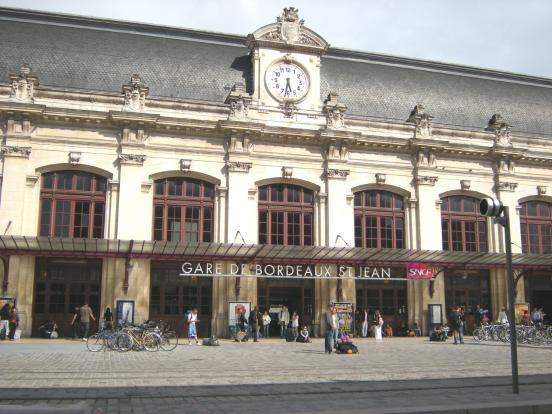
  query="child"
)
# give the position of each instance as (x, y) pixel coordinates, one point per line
(304, 335)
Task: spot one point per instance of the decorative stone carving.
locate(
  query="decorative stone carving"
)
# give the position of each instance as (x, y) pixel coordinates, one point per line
(465, 185)
(501, 129)
(13, 151)
(134, 134)
(238, 166)
(335, 111)
(185, 165)
(336, 173)
(541, 190)
(252, 193)
(421, 120)
(288, 108)
(287, 172)
(31, 180)
(380, 178)
(506, 186)
(239, 101)
(18, 125)
(506, 165)
(426, 180)
(74, 158)
(338, 150)
(426, 158)
(239, 143)
(135, 95)
(23, 85)
(113, 185)
(132, 159)
(146, 186)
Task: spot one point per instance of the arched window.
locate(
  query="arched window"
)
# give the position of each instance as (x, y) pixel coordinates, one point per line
(286, 215)
(72, 204)
(379, 219)
(463, 227)
(536, 224)
(183, 210)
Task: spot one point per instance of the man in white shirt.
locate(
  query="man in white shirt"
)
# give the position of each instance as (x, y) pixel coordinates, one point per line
(502, 316)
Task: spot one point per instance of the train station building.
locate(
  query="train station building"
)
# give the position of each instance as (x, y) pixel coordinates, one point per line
(165, 168)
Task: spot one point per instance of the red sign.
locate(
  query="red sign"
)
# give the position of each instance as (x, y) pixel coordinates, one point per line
(415, 270)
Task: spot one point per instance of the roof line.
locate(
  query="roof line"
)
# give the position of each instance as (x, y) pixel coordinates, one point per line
(148, 29)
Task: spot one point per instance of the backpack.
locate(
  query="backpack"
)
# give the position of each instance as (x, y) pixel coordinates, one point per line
(187, 315)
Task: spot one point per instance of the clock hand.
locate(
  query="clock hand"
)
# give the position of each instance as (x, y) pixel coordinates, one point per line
(288, 87)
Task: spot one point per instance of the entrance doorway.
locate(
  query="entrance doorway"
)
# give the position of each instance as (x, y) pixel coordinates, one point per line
(297, 295)
(60, 287)
(389, 297)
(538, 292)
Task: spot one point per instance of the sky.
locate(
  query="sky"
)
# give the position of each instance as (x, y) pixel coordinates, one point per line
(506, 35)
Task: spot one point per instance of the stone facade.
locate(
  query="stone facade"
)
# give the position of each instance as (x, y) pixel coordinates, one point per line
(242, 143)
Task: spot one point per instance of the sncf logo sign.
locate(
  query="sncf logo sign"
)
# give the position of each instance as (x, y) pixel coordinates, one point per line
(415, 270)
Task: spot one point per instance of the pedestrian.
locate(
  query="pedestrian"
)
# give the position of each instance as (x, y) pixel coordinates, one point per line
(525, 318)
(192, 331)
(379, 325)
(254, 323)
(266, 324)
(502, 316)
(477, 315)
(331, 327)
(4, 320)
(364, 317)
(295, 325)
(283, 320)
(304, 335)
(76, 324)
(456, 322)
(108, 319)
(14, 322)
(85, 315)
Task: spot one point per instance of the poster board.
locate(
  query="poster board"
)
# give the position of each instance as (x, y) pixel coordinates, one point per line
(124, 312)
(435, 314)
(345, 316)
(235, 309)
(519, 310)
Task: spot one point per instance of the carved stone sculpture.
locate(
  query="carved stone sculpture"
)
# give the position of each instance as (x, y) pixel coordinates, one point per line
(135, 95)
(334, 111)
(501, 129)
(239, 101)
(23, 85)
(421, 120)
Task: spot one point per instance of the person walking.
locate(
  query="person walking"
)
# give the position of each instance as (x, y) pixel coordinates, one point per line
(76, 324)
(364, 322)
(331, 326)
(13, 322)
(254, 323)
(502, 316)
(295, 325)
(283, 320)
(456, 322)
(266, 324)
(192, 331)
(379, 325)
(4, 320)
(108, 319)
(85, 315)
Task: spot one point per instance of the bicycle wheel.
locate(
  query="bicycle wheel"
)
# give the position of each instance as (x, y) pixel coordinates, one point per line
(151, 341)
(169, 341)
(124, 342)
(477, 334)
(95, 343)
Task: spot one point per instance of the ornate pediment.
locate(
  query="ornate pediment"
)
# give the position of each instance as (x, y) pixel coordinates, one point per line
(288, 32)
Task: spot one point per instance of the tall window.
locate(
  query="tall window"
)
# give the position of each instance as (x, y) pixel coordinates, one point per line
(463, 227)
(286, 215)
(536, 224)
(379, 219)
(72, 204)
(183, 210)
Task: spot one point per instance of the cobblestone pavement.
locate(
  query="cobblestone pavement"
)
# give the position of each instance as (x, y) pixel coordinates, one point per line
(271, 376)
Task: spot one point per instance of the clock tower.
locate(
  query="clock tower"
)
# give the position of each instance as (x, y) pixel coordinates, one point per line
(286, 64)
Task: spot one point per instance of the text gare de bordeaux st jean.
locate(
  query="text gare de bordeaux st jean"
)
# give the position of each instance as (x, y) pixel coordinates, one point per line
(410, 271)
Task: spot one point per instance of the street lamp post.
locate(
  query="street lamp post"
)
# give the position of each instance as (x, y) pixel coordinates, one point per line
(494, 208)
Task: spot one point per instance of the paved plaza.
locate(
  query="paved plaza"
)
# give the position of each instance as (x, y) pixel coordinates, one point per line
(274, 376)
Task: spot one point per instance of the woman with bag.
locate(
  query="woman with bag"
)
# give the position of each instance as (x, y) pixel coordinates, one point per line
(379, 325)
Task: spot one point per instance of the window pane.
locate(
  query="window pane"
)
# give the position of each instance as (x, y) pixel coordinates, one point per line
(398, 202)
(81, 219)
(308, 197)
(545, 236)
(524, 238)
(158, 223)
(207, 225)
(192, 224)
(263, 194)
(370, 199)
(386, 233)
(171, 300)
(469, 234)
(101, 184)
(544, 210)
(455, 203)
(159, 187)
(57, 298)
(307, 218)
(358, 231)
(192, 189)
(532, 208)
(399, 233)
(62, 219)
(263, 227)
(358, 199)
(456, 233)
(277, 227)
(48, 180)
(277, 193)
(388, 306)
(45, 217)
(84, 182)
(64, 181)
(445, 234)
(482, 233)
(98, 220)
(293, 194)
(469, 205)
(385, 199)
(294, 229)
(175, 187)
(371, 232)
(533, 238)
(174, 220)
(208, 191)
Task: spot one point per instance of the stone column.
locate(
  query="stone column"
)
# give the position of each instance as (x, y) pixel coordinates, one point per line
(21, 287)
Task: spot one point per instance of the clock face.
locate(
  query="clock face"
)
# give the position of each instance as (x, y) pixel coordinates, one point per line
(287, 81)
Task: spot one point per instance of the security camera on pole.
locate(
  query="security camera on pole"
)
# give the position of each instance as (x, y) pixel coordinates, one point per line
(493, 208)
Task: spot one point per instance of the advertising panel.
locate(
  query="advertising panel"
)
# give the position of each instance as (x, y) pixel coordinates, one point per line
(345, 316)
(519, 309)
(416, 270)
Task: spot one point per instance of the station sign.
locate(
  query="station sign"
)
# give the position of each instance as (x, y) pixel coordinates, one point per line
(417, 270)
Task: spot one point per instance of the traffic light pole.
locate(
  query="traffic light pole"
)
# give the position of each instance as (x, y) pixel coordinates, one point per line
(505, 221)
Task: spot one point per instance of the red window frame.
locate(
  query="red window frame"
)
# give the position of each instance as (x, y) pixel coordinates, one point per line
(463, 227)
(187, 200)
(286, 215)
(373, 209)
(67, 189)
(536, 227)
